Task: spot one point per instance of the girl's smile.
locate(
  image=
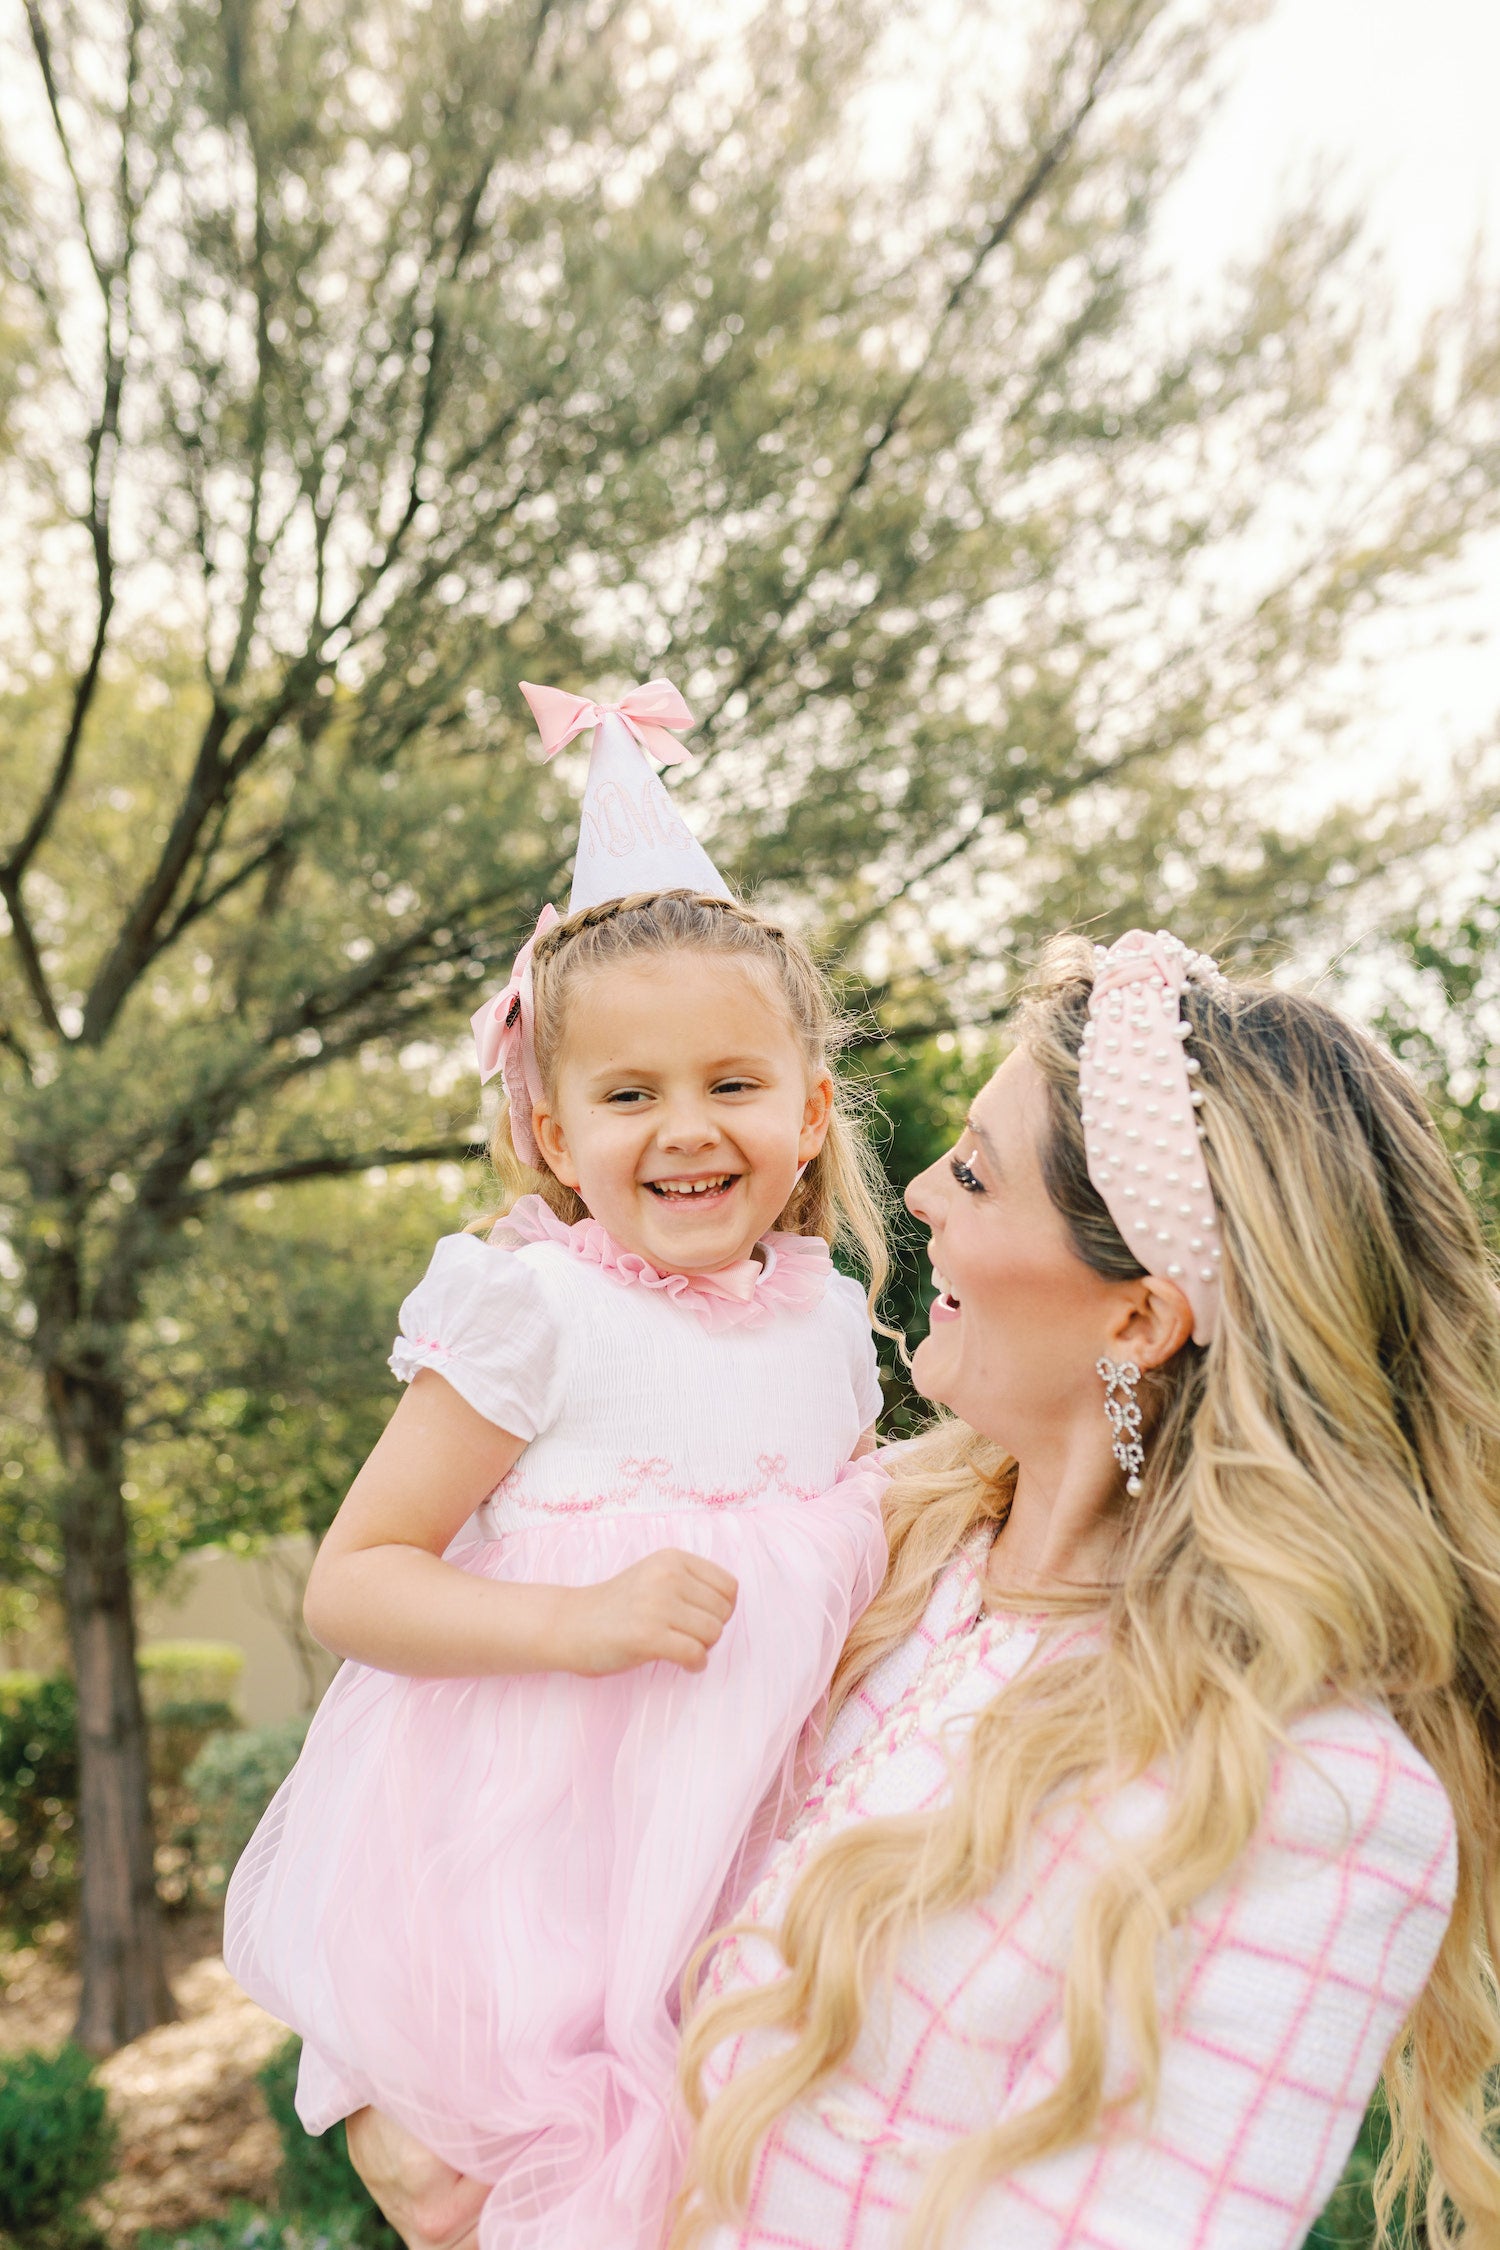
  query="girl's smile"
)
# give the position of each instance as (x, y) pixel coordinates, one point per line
(683, 1109)
(717, 1184)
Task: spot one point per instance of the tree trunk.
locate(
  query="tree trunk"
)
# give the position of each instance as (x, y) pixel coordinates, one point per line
(125, 1990)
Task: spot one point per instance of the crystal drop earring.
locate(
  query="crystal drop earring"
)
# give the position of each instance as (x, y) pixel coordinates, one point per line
(1124, 1413)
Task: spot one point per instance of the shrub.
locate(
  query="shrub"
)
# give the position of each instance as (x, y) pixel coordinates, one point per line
(317, 2184)
(232, 1780)
(179, 1731)
(38, 1797)
(189, 1672)
(57, 2145)
(202, 1716)
(245, 2229)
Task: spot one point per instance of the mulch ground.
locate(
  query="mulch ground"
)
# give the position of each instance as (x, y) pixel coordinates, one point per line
(194, 2134)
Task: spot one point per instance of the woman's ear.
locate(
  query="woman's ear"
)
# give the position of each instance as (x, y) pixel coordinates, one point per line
(553, 1143)
(1154, 1321)
(817, 1116)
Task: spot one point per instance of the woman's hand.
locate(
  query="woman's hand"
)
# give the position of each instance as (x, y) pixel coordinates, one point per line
(431, 2206)
(669, 1608)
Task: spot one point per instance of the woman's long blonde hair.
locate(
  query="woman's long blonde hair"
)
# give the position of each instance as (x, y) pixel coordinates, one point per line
(841, 1195)
(1320, 1519)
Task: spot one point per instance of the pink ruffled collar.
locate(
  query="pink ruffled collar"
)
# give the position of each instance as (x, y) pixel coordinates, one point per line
(792, 1276)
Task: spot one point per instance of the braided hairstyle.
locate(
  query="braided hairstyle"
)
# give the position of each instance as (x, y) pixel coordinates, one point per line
(842, 1194)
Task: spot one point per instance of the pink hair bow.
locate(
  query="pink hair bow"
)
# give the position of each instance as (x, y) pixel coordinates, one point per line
(1136, 957)
(648, 711)
(505, 1039)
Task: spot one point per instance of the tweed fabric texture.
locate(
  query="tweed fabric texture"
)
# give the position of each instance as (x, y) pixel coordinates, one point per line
(1280, 1996)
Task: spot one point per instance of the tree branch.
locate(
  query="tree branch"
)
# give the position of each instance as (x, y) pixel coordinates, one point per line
(42, 46)
(14, 1044)
(113, 283)
(31, 959)
(212, 782)
(335, 1165)
(1046, 164)
(201, 902)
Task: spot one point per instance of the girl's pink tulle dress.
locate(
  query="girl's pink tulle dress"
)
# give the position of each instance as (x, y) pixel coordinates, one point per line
(475, 1898)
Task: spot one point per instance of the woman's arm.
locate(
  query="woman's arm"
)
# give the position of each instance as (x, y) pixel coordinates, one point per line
(1287, 1990)
(380, 1591)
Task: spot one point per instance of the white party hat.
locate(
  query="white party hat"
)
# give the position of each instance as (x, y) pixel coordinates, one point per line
(631, 838)
(631, 835)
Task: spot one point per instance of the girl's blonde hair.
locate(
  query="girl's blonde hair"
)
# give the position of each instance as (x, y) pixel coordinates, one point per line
(1319, 1520)
(842, 1194)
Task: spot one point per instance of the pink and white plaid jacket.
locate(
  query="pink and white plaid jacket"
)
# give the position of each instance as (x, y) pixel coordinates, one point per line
(1280, 1998)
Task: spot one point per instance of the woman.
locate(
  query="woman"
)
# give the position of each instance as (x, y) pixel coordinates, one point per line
(1163, 1804)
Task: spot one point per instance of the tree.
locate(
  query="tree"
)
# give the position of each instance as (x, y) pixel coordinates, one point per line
(1442, 1018)
(369, 357)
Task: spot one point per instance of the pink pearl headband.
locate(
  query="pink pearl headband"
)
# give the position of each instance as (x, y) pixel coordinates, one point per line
(1141, 1133)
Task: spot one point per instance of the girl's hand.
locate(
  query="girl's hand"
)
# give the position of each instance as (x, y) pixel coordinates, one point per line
(669, 1608)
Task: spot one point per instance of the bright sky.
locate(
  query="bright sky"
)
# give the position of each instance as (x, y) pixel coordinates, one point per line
(1399, 98)
(1400, 94)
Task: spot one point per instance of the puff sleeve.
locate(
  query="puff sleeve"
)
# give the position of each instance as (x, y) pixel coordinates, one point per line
(864, 1369)
(481, 1318)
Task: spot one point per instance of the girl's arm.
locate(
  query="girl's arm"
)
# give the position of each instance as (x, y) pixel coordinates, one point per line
(380, 1591)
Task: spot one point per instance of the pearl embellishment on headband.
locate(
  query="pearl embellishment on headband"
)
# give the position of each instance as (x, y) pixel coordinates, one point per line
(1138, 984)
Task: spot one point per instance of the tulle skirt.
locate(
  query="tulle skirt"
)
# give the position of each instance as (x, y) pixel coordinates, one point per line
(475, 1898)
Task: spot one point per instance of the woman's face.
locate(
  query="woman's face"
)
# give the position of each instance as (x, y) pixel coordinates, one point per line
(1020, 1320)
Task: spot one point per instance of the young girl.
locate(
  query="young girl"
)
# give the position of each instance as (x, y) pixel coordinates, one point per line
(596, 1574)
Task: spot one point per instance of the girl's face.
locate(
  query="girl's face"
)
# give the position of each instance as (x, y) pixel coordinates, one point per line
(1020, 1319)
(683, 1108)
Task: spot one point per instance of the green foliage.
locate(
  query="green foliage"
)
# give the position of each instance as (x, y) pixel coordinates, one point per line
(57, 2146)
(245, 2229)
(178, 1732)
(38, 1792)
(260, 1365)
(188, 1671)
(317, 2185)
(198, 1716)
(1447, 1032)
(188, 1689)
(920, 1100)
(232, 1780)
(1347, 2221)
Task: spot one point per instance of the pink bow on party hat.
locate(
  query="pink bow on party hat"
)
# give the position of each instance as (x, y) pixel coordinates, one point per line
(505, 1038)
(648, 711)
